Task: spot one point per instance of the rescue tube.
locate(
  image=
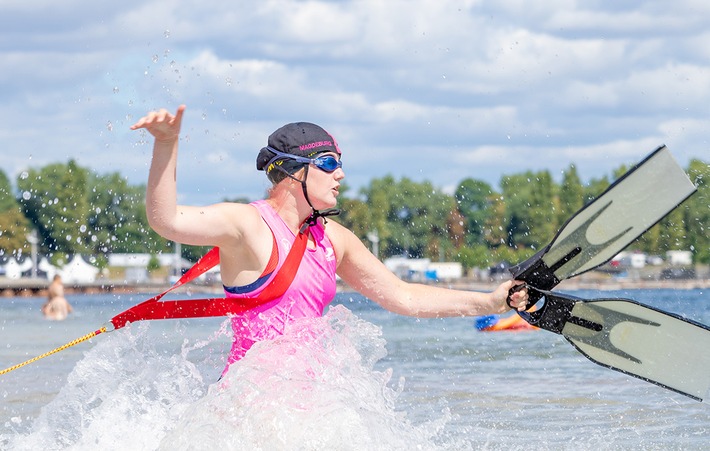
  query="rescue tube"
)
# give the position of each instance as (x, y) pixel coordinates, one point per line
(495, 323)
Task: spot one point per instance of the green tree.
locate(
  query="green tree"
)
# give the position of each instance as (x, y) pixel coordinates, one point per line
(153, 263)
(530, 201)
(7, 198)
(378, 200)
(669, 234)
(475, 199)
(75, 210)
(456, 227)
(355, 215)
(414, 214)
(476, 256)
(496, 229)
(118, 219)
(696, 214)
(571, 197)
(544, 209)
(55, 200)
(595, 188)
(14, 227)
(372, 215)
(518, 200)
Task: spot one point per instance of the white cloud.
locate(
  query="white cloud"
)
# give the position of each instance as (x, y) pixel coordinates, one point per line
(438, 90)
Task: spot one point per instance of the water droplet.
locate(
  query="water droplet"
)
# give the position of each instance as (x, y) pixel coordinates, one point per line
(166, 34)
(26, 195)
(115, 90)
(82, 229)
(155, 58)
(24, 175)
(109, 126)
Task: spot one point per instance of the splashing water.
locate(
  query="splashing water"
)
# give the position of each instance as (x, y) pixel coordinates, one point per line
(315, 387)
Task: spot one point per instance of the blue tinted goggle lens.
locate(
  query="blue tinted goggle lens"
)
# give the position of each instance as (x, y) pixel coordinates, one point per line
(327, 163)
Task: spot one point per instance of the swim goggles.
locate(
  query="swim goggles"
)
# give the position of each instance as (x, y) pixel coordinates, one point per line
(327, 163)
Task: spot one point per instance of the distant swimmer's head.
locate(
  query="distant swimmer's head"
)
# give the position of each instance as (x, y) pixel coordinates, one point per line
(296, 145)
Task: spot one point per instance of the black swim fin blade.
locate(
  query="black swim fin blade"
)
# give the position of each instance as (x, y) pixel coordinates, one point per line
(603, 228)
(635, 339)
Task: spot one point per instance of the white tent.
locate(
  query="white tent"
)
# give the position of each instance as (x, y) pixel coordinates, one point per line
(14, 269)
(78, 271)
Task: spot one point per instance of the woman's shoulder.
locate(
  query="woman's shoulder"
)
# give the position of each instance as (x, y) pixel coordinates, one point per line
(333, 227)
(242, 218)
(339, 235)
(238, 210)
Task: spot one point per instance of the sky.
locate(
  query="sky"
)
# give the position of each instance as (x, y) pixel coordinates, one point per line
(432, 90)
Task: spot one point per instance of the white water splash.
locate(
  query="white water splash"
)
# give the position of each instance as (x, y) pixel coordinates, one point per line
(315, 387)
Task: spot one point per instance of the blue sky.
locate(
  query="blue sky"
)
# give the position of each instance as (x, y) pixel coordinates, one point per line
(436, 90)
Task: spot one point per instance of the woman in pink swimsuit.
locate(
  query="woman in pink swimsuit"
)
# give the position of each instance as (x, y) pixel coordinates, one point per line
(303, 162)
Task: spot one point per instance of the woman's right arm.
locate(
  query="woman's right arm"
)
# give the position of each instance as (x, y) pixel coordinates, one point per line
(212, 225)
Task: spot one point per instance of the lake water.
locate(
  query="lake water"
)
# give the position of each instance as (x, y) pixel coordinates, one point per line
(360, 378)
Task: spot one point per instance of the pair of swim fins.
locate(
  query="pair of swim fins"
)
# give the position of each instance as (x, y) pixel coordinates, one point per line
(620, 334)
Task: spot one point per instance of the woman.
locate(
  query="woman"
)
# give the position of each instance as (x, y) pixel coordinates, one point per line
(303, 162)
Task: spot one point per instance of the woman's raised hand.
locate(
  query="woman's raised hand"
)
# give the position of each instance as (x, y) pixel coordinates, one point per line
(161, 124)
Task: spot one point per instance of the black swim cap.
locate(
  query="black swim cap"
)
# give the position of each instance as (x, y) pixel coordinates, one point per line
(299, 138)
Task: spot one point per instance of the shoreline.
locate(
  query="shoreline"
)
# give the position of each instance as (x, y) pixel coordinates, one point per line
(25, 288)
(614, 285)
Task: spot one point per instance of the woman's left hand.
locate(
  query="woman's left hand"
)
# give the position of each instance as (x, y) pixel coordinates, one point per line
(518, 300)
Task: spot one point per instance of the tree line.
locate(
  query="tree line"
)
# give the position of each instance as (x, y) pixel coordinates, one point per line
(76, 211)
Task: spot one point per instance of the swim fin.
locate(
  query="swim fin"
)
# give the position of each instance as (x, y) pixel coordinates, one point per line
(603, 228)
(632, 338)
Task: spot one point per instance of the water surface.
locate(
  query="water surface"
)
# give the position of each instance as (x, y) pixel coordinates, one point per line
(359, 378)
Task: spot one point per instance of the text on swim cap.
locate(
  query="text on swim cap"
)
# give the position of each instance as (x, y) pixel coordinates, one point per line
(313, 145)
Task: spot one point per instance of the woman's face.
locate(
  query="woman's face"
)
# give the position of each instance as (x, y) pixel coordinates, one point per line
(323, 187)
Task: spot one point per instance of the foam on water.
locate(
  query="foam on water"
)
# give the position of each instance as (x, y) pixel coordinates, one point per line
(315, 387)
(326, 385)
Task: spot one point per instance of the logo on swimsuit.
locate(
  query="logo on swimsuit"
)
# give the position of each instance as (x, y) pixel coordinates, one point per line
(329, 254)
(286, 244)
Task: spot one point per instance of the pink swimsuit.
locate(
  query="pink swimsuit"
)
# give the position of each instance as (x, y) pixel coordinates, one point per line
(311, 290)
